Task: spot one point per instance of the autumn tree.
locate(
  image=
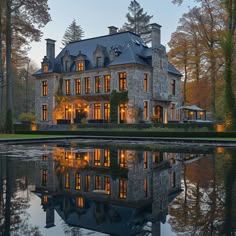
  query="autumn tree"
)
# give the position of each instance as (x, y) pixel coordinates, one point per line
(31, 16)
(228, 43)
(138, 21)
(74, 32)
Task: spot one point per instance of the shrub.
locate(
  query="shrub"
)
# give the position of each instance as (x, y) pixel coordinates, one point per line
(27, 117)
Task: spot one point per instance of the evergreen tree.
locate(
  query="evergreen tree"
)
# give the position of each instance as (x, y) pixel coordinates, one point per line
(138, 21)
(73, 32)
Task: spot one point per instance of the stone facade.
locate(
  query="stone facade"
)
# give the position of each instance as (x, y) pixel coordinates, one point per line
(64, 94)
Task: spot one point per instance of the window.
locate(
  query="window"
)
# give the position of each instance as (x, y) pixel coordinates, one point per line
(80, 66)
(44, 112)
(44, 179)
(122, 112)
(87, 183)
(44, 157)
(172, 87)
(145, 83)
(98, 184)
(67, 180)
(80, 202)
(107, 185)
(122, 159)
(45, 68)
(106, 111)
(122, 81)
(87, 85)
(67, 86)
(107, 158)
(145, 160)
(97, 111)
(145, 187)
(77, 181)
(99, 61)
(172, 111)
(67, 113)
(172, 179)
(97, 157)
(45, 88)
(107, 79)
(67, 66)
(97, 84)
(122, 188)
(145, 110)
(78, 86)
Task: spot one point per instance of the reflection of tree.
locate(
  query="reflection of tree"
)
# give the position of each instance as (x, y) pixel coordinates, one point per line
(14, 204)
(199, 209)
(230, 190)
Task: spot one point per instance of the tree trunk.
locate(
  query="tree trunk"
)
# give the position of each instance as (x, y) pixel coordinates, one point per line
(9, 114)
(1, 71)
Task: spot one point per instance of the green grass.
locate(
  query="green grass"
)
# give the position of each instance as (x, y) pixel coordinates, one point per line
(26, 136)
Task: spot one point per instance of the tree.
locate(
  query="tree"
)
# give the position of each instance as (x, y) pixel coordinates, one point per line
(228, 43)
(73, 32)
(33, 15)
(138, 21)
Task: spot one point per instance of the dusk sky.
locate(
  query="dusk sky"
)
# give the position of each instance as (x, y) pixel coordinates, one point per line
(95, 16)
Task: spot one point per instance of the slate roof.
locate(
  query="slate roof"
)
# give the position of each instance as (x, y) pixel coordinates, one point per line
(132, 49)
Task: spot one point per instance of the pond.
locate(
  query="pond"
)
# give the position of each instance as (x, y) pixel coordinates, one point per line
(86, 189)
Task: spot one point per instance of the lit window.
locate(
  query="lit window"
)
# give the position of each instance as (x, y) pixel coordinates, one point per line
(67, 87)
(172, 87)
(145, 110)
(97, 157)
(45, 88)
(98, 184)
(77, 181)
(78, 86)
(45, 68)
(122, 189)
(97, 84)
(68, 112)
(87, 85)
(145, 187)
(44, 179)
(145, 160)
(122, 112)
(145, 83)
(107, 184)
(44, 157)
(97, 111)
(122, 81)
(80, 65)
(44, 112)
(80, 202)
(106, 111)
(107, 79)
(67, 180)
(106, 158)
(122, 159)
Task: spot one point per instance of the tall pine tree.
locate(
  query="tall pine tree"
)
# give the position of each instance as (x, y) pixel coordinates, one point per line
(73, 32)
(138, 21)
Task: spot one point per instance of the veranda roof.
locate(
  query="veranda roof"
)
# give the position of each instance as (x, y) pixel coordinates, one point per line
(192, 108)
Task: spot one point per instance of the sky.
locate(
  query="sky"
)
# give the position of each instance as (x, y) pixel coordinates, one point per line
(96, 16)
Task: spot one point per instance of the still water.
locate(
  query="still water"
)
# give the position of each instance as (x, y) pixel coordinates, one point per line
(49, 189)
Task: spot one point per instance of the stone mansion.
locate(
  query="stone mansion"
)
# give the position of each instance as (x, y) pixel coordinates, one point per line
(113, 78)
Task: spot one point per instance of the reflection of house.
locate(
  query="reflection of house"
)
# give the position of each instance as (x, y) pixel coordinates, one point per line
(111, 191)
(80, 82)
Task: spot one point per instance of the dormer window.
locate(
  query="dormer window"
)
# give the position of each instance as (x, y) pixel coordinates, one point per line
(45, 68)
(80, 66)
(99, 61)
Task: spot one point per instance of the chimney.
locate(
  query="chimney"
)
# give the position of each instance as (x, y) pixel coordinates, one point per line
(112, 29)
(50, 53)
(156, 35)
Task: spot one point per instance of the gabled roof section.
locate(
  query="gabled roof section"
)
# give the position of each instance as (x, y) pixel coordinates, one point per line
(173, 70)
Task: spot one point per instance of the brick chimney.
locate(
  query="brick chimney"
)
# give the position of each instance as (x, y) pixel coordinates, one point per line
(50, 50)
(156, 35)
(112, 29)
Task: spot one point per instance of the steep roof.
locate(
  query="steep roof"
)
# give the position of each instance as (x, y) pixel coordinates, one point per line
(130, 47)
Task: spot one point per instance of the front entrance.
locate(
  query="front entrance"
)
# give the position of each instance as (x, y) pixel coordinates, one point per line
(80, 114)
(158, 114)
